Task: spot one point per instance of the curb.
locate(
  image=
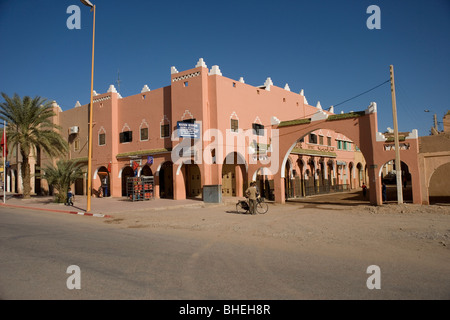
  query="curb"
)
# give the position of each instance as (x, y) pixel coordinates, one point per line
(60, 211)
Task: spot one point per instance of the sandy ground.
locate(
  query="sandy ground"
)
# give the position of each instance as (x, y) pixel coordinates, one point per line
(326, 224)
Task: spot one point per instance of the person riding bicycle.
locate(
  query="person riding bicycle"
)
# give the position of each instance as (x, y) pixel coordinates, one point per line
(252, 195)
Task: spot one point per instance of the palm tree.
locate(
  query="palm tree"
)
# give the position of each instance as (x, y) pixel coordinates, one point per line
(62, 176)
(30, 126)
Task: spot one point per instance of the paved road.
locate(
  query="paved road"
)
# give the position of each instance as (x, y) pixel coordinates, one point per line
(132, 263)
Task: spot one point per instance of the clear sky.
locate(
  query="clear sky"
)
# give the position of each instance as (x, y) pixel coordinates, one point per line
(323, 47)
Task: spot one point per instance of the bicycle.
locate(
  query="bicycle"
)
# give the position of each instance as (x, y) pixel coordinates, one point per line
(243, 206)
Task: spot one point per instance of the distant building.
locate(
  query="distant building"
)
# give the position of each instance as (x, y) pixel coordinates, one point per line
(434, 161)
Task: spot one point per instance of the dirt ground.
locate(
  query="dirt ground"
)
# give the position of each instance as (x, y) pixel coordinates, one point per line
(341, 222)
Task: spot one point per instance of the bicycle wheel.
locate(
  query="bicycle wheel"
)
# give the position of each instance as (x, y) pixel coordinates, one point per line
(240, 209)
(262, 207)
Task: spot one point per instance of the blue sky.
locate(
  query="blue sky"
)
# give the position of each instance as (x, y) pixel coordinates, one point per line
(323, 47)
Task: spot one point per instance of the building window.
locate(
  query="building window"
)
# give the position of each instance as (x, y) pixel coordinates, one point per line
(258, 129)
(339, 144)
(76, 145)
(186, 84)
(126, 136)
(345, 145)
(164, 130)
(234, 125)
(312, 138)
(144, 134)
(102, 139)
(329, 141)
(321, 140)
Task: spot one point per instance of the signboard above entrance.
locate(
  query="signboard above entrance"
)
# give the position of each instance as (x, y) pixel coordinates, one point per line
(188, 130)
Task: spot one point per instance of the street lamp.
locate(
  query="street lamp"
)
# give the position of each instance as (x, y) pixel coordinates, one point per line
(87, 3)
(91, 106)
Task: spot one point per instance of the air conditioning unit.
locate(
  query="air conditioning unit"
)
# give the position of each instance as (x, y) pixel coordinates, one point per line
(73, 130)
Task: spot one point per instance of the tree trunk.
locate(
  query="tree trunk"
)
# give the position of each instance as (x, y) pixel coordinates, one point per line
(26, 177)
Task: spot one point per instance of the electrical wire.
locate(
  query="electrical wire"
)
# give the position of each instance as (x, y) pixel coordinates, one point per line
(335, 105)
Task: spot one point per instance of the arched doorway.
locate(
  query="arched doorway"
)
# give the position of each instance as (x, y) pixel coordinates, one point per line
(193, 181)
(300, 178)
(388, 174)
(166, 180)
(126, 173)
(321, 176)
(351, 183)
(360, 173)
(288, 185)
(233, 175)
(311, 182)
(146, 171)
(103, 176)
(264, 182)
(331, 173)
(439, 187)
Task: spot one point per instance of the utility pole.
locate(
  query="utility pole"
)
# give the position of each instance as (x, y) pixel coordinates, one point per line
(398, 168)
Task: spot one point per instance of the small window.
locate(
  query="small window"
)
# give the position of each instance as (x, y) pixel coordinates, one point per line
(258, 129)
(126, 136)
(102, 139)
(345, 145)
(234, 125)
(329, 141)
(76, 145)
(321, 140)
(144, 134)
(339, 144)
(234, 84)
(186, 84)
(313, 138)
(165, 131)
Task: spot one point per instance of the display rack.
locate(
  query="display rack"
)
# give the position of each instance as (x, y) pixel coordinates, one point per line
(140, 188)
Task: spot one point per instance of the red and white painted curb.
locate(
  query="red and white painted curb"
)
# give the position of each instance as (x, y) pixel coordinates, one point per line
(98, 215)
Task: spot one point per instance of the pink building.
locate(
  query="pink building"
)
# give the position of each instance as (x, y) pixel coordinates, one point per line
(232, 123)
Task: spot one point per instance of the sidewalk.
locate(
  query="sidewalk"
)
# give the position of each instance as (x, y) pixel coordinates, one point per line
(104, 207)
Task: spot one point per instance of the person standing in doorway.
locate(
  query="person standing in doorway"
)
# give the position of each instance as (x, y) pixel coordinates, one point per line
(383, 192)
(364, 190)
(251, 193)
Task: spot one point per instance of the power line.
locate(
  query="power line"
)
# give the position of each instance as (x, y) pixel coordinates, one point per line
(362, 93)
